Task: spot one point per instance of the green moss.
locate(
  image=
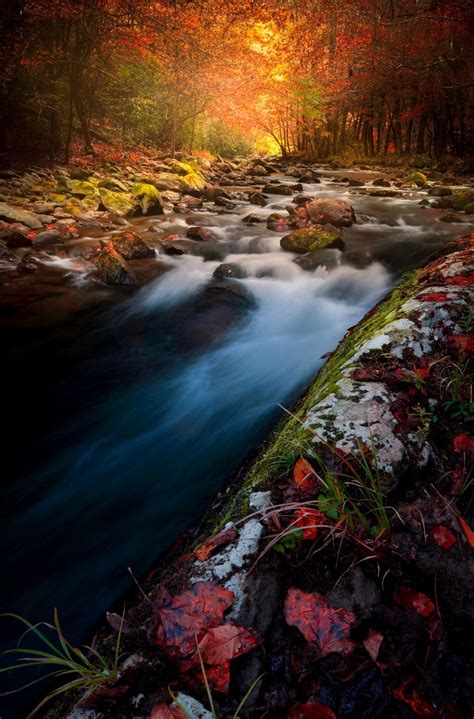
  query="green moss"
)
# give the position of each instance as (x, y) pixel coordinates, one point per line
(462, 199)
(417, 177)
(83, 188)
(192, 182)
(469, 208)
(113, 183)
(120, 203)
(308, 239)
(148, 197)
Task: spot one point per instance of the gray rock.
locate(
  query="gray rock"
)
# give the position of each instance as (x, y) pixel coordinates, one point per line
(17, 214)
(335, 212)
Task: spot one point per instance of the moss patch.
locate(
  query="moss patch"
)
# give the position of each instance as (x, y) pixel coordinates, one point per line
(309, 239)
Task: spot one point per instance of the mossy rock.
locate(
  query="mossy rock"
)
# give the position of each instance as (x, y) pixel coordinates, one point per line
(57, 198)
(119, 203)
(469, 208)
(83, 188)
(192, 182)
(309, 239)
(113, 183)
(112, 268)
(182, 168)
(44, 186)
(462, 199)
(131, 247)
(162, 181)
(416, 177)
(149, 199)
(451, 217)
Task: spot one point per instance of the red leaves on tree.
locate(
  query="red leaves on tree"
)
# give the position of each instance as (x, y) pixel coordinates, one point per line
(418, 601)
(305, 477)
(311, 711)
(463, 443)
(209, 546)
(320, 624)
(164, 711)
(309, 520)
(187, 615)
(411, 696)
(443, 537)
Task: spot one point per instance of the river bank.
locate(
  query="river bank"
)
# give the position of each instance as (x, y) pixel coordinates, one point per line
(280, 307)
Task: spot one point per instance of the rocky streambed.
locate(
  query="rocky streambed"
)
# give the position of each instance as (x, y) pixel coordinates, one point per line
(147, 350)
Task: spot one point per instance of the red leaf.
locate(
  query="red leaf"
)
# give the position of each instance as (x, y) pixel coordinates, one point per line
(468, 533)
(434, 297)
(319, 623)
(414, 700)
(414, 600)
(164, 711)
(443, 537)
(422, 372)
(372, 643)
(464, 343)
(309, 520)
(218, 677)
(305, 477)
(183, 617)
(210, 545)
(311, 711)
(461, 280)
(463, 443)
(221, 644)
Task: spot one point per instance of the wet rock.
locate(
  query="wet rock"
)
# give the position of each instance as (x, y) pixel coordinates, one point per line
(79, 173)
(149, 199)
(223, 202)
(336, 212)
(360, 260)
(83, 188)
(12, 213)
(355, 183)
(13, 238)
(122, 204)
(229, 269)
(253, 219)
(172, 248)
(193, 183)
(257, 198)
(201, 234)
(49, 237)
(460, 200)
(357, 593)
(113, 183)
(451, 217)
(277, 223)
(112, 268)
(280, 189)
(417, 178)
(385, 193)
(161, 181)
(259, 170)
(309, 239)
(320, 258)
(302, 200)
(131, 247)
(381, 182)
(191, 202)
(469, 209)
(440, 191)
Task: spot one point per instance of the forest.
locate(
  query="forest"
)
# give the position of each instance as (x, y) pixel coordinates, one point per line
(329, 78)
(236, 310)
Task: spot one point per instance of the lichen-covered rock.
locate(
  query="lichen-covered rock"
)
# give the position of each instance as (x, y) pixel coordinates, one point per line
(112, 268)
(113, 183)
(339, 213)
(309, 239)
(131, 246)
(149, 199)
(122, 204)
(83, 188)
(418, 178)
(192, 182)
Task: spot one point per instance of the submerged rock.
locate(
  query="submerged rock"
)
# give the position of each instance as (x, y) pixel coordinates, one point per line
(112, 268)
(335, 212)
(309, 239)
(229, 269)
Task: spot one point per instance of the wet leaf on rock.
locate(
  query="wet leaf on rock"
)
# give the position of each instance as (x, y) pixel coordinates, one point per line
(187, 615)
(311, 711)
(209, 546)
(418, 601)
(305, 477)
(443, 537)
(324, 626)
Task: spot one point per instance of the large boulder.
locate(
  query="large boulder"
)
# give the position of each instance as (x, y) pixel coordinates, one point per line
(113, 183)
(83, 188)
(461, 199)
(417, 178)
(201, 234)
(122, 204)
(131, 246)
(112, 268)
(339, 213)
(279, 189)
(309, 239)
(162, 181)
(12, 213)
(192, 182)
(149, 199)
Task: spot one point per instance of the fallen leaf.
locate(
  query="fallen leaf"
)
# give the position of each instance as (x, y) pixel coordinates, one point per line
(414, 700)
(464, 280)
(309, 520)
(434, 297)
(372, 643)
(305, 477)
(443, 537)
(467, 531)
(464, 343)
(209, 546)
(164, 711)
(221, 644)
(187, 615)
(320, 624)
(463, 443)
(418, 601)
(311, 711)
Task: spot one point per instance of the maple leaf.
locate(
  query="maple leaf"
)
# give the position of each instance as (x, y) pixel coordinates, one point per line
(320, 624)
(187, 615)
(309, 520)
(305, 477)
(209, 546)
(418, 601)
(226, 642)
(311, 711)
(443, 537)
(164, 711)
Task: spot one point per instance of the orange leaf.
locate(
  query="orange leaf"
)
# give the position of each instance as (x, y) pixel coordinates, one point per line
(210, 545)
(304, 476)
(309, 520)
(468, 533)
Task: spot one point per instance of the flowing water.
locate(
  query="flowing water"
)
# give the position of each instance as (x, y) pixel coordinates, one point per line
(126, 413)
